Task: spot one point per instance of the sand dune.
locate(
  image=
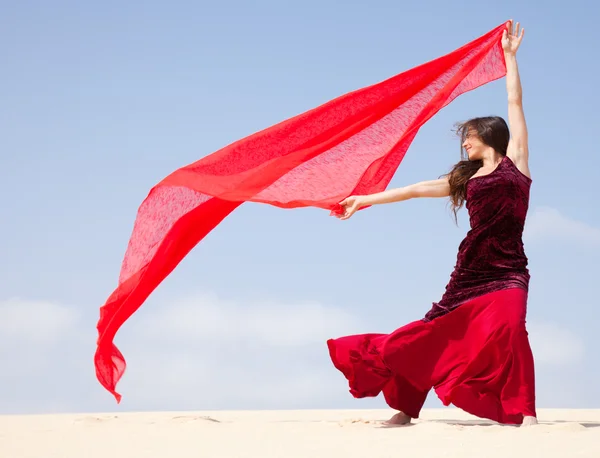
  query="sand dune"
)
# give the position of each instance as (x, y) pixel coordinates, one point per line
(290, 434)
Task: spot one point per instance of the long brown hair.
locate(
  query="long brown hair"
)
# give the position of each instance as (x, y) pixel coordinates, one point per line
(491, 130)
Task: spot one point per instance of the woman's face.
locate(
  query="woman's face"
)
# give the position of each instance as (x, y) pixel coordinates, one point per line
(473, 145)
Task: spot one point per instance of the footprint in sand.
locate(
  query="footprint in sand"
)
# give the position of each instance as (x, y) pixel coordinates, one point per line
(566, 426)
(366, 422)
(92, 420)
(190, 418)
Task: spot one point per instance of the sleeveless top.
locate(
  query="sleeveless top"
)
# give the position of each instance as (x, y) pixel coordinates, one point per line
(491, 257)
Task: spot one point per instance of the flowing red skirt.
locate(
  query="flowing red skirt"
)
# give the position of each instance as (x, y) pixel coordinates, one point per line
(477, 357)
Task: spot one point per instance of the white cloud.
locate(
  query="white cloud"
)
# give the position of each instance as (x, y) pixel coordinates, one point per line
(555, 346)
(39, 322)
(206, 317)
(549, 223)
(30, 334)
(205, 351)
(200, 351)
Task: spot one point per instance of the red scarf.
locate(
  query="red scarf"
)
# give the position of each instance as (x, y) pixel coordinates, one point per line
(350, 145)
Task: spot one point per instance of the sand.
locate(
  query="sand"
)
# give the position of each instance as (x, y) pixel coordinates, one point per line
(311, 434)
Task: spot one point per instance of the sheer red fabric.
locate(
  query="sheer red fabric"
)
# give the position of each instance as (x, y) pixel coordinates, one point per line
(350, 145)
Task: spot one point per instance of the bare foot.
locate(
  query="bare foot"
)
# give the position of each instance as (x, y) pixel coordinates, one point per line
(529, 421)
(399, 419)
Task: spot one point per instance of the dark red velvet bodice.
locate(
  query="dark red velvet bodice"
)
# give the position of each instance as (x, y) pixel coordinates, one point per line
(491, 256)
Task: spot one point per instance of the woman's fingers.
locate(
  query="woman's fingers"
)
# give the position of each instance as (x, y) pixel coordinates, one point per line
(349, 211)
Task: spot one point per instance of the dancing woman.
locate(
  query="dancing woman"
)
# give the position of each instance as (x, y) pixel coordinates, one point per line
(472, 347)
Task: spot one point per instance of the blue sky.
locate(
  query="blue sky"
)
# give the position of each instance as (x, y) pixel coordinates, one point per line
(101, 101)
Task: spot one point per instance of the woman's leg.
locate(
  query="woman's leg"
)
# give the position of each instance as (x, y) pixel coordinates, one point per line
(404, 397)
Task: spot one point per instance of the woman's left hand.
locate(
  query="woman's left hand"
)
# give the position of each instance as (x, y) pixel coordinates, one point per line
(512, 40)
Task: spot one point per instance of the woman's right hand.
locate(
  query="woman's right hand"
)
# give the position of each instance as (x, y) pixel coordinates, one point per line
(350, 205)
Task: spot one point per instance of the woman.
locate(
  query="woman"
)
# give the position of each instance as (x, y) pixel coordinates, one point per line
(472, 346)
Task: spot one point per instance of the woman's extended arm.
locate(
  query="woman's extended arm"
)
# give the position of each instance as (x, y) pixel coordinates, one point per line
(433, 188)
(518, 149)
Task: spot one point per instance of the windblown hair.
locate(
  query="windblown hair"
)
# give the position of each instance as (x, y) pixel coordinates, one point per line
(491, 130)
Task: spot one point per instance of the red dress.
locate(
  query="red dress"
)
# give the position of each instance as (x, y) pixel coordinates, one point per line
(472, 347)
